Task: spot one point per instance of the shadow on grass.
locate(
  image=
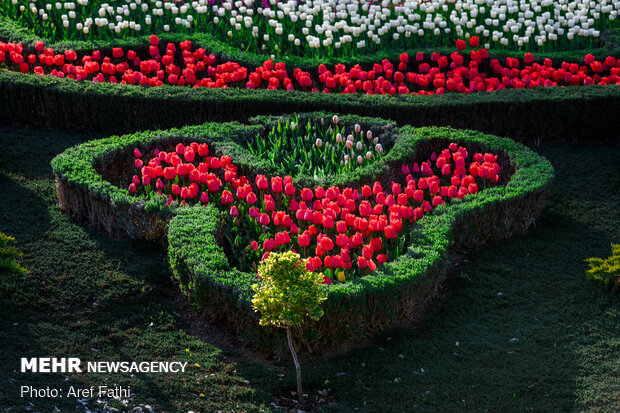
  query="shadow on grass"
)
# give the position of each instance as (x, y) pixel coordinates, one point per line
(28, 151)
(95, 298)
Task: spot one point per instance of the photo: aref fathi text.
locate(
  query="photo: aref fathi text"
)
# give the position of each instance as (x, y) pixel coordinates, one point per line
(77, 392)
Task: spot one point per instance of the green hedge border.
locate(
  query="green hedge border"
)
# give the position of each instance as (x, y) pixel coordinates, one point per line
(572, 113)
(399, 292)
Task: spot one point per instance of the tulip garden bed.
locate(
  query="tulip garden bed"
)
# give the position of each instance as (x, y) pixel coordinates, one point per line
(446, 192)
(200, 61)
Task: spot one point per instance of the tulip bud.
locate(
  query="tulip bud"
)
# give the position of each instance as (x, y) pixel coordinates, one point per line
(341, 277)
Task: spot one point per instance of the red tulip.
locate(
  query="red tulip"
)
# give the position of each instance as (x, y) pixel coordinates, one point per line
(418, 195)
(326, 243)
(366, 191)
(269, 203)
(282, 238)
(376, 188)
(159, 184)
(376, 244)
(276, 184)
(251, 198)
(214, 185)
(304, 239)
(403, 199)
(306, 194)
(289, 189)
(341, 226)
(261, 182)
(253, 212)
(460, 44)
(227, 197)
(342, 240)
(390, 232)
(263, 219)
(452, 191)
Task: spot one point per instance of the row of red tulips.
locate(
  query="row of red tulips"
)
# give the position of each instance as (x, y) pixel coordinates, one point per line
(342, 231)
(183, 64)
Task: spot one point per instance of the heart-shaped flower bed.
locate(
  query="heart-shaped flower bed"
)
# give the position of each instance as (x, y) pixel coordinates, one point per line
(382, 233)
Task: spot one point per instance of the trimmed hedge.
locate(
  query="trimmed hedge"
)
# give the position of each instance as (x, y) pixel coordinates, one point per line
(571, 113)
(399, 292)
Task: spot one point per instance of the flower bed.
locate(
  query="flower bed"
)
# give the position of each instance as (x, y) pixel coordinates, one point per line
(363, 299)
(185, 65)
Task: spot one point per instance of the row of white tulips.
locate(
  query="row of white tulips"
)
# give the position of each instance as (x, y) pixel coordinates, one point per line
(332, 27)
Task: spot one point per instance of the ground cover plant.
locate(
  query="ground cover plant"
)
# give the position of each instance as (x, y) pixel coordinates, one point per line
(325, 28)
(348, 224)
(567, 328)
(9, 255)
(606, 271)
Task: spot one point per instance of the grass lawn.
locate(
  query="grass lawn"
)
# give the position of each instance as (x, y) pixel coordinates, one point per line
(520, 327)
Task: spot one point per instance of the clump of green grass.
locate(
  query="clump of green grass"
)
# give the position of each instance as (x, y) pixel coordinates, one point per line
(606, 271)
(8, 256)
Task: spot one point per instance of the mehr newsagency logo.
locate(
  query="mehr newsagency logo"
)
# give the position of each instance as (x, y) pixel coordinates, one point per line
(75, 365)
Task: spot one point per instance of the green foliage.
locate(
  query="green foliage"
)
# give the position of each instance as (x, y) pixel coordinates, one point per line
(606, 271)
(8, 256)
(317, 149)
(288, 292)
